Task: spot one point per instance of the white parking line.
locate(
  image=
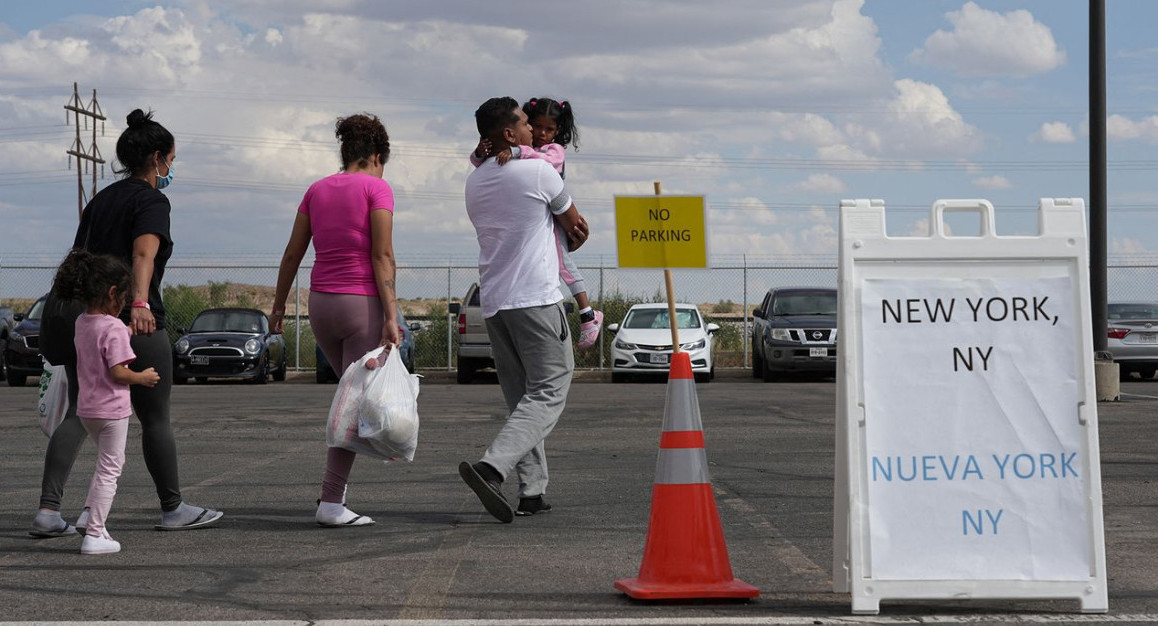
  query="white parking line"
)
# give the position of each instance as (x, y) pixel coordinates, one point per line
(994, 618)
(1138, 395)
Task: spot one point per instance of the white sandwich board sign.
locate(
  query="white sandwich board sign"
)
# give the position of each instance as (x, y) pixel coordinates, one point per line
(966, 441)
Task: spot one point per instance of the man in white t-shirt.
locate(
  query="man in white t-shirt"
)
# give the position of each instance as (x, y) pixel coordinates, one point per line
(515, 208)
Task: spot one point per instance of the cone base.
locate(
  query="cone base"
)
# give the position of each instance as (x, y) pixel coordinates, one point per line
(638, 590)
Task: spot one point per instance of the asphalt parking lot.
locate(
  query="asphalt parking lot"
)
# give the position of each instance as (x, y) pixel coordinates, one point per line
(257, 452)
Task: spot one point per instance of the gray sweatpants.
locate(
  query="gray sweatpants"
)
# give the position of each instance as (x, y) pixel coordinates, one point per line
(533, 357)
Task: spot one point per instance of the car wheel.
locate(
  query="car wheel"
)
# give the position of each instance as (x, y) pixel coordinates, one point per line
(767, 373)
(1147, 373)
(618, 377)
(466, 369)
(279, 375)
(16, 380)
(201, 380)
(180, 380)
(3, 366)
(757, 361)
(262, 374)
(704, 377)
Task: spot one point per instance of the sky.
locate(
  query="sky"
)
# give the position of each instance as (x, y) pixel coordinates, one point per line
(774, 111)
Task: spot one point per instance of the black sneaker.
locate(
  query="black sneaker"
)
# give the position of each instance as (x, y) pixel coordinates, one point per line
(531, 506)
(481, 479)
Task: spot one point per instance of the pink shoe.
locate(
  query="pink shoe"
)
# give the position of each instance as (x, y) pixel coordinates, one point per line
(589, 331)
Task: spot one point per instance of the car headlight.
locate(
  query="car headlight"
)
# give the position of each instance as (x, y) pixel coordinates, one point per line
(252, 346)
(695, 345)
(182, 346)
(623, 345)
(781, 334)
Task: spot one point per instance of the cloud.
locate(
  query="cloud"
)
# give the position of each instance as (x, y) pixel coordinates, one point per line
(992, 182)
(819, 183)
(921, 122)
(1128, 245)
(1054, 132)
(1121, 128)
(987, 43)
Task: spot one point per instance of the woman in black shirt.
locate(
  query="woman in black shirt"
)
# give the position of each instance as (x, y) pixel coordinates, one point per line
(128, 219)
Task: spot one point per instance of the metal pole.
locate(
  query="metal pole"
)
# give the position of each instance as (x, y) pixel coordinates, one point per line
(745, 334)
(1098, 295)
(298, 321)
(602, 336)
(449, 320)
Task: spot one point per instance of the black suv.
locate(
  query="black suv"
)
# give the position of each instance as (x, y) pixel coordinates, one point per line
(22, 346)
(794, 330)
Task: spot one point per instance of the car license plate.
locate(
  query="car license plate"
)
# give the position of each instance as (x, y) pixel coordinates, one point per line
(815, 352)
(659, 359)
(1148, 338)
(199, 360)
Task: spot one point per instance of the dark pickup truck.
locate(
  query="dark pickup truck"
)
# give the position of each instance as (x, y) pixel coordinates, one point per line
(794, 331)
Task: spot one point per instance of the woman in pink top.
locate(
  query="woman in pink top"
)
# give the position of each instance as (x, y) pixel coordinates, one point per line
(349, 216)
(102, 284)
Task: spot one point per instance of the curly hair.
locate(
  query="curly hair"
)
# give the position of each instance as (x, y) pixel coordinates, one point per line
(86, 277)
(140, 140)
(558, 112)
(362, 136)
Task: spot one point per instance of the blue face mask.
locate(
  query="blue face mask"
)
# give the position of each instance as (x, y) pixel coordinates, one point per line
(166, 180)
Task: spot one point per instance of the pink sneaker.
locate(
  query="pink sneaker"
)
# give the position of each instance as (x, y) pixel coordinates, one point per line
(589, 331)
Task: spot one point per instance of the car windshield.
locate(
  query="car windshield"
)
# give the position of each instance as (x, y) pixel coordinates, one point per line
(37, 310)
(227, 321)
(658, 318)
(816, 303)
(1133, 311)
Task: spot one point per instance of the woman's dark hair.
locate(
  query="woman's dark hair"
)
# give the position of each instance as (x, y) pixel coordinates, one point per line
(362, 136)
(560, 113)
(138, 143)
(492, 116)
(86, 277)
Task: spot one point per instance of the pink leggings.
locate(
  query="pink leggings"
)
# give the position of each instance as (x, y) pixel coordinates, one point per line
(110, 437)
(346, 327)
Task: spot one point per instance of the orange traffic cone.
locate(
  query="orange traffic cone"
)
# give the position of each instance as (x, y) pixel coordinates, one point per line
(685, 555)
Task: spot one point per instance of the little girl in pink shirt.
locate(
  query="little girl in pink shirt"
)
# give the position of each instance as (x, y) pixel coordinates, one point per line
(102, 283)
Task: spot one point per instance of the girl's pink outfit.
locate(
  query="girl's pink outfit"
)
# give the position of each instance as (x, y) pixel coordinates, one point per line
(103, 406)
(345, 311)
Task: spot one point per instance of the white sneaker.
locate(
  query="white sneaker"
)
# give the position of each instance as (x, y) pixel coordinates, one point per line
(82, 520)
(99, 544)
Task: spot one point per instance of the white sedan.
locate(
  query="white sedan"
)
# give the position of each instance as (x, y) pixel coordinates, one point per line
(643, 342)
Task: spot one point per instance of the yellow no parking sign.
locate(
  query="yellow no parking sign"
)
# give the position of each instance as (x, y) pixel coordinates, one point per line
(661, 231)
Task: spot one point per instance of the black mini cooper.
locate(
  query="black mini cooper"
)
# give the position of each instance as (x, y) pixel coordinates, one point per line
(233, 343)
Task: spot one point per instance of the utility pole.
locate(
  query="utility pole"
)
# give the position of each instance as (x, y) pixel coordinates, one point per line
(85, 155)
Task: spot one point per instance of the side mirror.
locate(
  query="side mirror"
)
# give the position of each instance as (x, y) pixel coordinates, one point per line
(453, 308)
(713, 328)
(414, 327)
(613, 328)
(19, 317)
(757, 312)
(181, 330)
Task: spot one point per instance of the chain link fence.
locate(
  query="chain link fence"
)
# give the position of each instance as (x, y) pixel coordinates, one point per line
(725, 294)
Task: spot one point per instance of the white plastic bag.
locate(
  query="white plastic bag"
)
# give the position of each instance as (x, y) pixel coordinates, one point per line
(389, 411)
(53, 401)
(354, 393)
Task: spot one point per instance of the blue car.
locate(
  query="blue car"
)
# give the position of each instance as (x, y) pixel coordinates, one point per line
(324, 372)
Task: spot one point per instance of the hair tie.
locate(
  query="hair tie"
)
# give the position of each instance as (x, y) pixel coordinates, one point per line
(534, 102)
(563, 104)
